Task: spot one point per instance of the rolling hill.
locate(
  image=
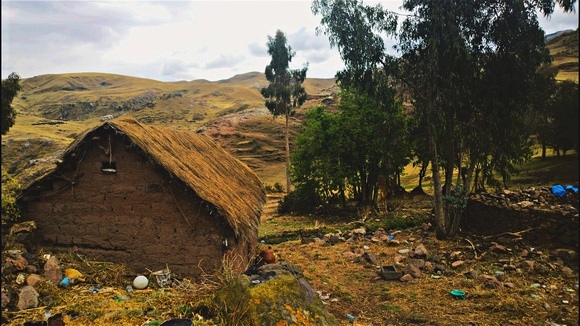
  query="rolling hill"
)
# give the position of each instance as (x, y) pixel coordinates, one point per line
(563, 47)
(54, 109)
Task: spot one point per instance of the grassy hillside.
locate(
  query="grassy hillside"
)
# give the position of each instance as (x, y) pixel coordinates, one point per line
(53, 109)
(564, 50)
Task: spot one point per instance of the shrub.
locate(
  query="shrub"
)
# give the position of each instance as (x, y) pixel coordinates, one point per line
(10, 187)
(303, 199)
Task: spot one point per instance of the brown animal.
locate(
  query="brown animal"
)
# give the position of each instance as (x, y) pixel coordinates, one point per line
(267, 256)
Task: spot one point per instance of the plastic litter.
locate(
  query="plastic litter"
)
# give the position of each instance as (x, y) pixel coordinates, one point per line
(458, 294)
(558, 190)
(65, 282)
(162, 277)
(350, 317)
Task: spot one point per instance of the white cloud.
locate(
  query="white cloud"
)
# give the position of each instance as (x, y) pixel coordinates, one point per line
(170, 40)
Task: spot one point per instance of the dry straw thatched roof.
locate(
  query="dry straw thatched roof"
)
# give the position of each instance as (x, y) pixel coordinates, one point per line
(211, 172)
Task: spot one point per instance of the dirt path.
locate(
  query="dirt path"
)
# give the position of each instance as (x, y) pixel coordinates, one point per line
(270, 209)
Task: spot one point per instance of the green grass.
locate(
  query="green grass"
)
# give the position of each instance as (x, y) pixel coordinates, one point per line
(533, 173)
(552, 170)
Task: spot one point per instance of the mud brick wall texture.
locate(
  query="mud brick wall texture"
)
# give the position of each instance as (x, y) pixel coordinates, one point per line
(139, 216)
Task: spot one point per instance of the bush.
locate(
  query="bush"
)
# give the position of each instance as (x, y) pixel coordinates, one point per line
(303, 199)
(10, 187)
(276, 188)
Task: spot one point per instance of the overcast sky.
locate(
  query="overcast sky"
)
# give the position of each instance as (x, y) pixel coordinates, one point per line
(171, 40)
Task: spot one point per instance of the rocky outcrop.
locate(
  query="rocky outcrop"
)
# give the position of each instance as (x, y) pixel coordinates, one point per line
(275, 295)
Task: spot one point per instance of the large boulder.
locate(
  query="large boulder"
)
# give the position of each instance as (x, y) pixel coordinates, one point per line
(276, 295)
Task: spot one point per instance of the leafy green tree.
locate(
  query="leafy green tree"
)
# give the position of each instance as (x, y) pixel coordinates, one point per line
(368, 73)
(347, 151)
(565, 116)
(540, 117)
(471, 71)
(10, 87)
(468, 68)
(285, 92)
(317, 169)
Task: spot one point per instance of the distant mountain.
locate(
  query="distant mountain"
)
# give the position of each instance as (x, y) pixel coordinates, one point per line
(550, 37)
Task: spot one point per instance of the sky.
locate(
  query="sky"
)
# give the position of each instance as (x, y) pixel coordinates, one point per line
(172, 40)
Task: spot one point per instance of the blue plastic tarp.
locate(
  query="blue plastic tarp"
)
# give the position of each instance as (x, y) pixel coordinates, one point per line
(572, 188)
(559, 190)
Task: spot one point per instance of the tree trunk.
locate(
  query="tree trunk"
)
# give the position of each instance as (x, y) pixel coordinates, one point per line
(469, 176)
(422, 173)
(440, 231)
(543, 151)
(287, 155)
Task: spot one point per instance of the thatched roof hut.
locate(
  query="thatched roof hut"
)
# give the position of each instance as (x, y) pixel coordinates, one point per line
(214, 176)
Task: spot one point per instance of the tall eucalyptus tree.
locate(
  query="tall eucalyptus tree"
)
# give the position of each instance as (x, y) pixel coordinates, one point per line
(285, 92)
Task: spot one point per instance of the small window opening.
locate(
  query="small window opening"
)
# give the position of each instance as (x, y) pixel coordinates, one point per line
(109, 167)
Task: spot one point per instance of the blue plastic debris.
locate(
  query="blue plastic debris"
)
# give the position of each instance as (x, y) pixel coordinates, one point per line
(572, 188)
(558, 190)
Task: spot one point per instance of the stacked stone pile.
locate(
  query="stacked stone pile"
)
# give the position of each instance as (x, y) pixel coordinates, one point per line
(532, 199)
(536, 214)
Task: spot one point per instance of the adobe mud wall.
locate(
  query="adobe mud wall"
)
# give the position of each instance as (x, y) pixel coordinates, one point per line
(138, 216)
(552, 222)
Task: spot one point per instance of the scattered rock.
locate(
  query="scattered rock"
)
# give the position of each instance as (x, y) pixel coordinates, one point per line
(509, 285)
(458, 263)
(359, 231)
(53, 271)
(18, 262)
(33, 279)
(567, 271)
(399, 258)
(525, 203)
(491, 282)
(406, 278)
(27, 298)
(565, 254)
(421, 251)
(349, 255)
(412, 270)
(455, 255)
(498, 247)
(428, 268)
(5, 298)
(370, 258)
(403, 251)
(419, 263)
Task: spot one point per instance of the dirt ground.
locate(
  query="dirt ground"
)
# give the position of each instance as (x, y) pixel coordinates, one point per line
(514, 283)
(541, 295)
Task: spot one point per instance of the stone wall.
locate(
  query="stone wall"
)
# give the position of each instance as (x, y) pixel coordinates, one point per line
(548, 221)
